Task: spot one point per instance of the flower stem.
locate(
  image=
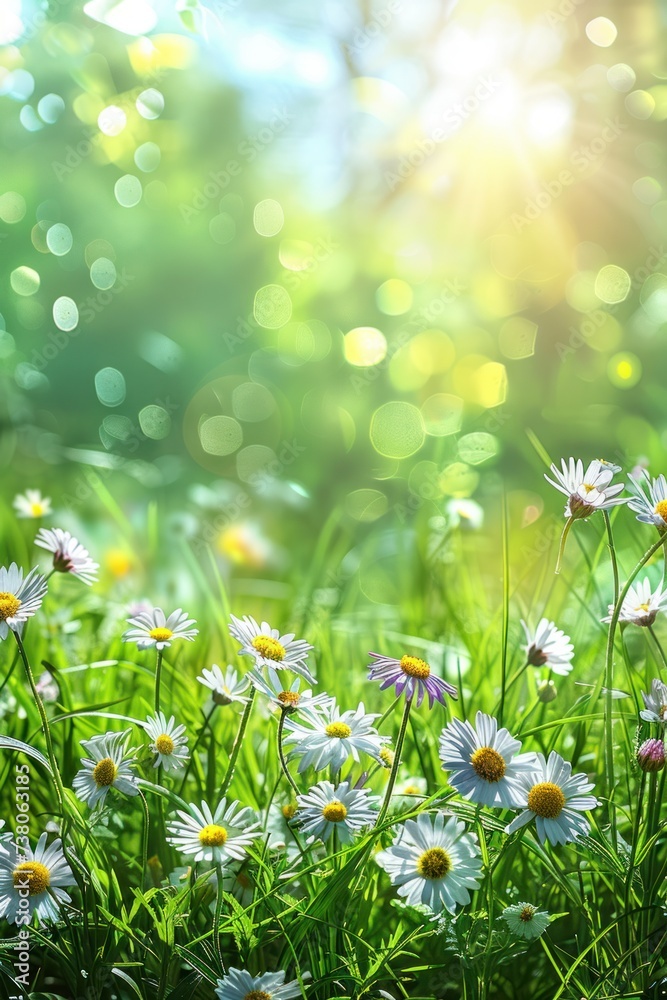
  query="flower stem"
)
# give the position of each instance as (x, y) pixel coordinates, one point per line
(561, 547)
(216, 919)
(609, 679)
(144, 839)
(158, 678)
(227, 780)
(397, 760)
(281, 753)
(45, 728)
(612, 553)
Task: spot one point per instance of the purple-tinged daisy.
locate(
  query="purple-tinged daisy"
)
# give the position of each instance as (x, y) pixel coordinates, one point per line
(411, 675)
(69, 555)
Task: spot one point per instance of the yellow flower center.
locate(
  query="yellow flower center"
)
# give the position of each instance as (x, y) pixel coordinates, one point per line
(387, 756)
(9, 605)
(289, 698)
(36, 509)
(164, 744)
(588, 487)
(257, 995)
(161, 634)
(104, 772)
(414, 667)
(269, 647)
(289, 811)
(527, 913)
(642, 607)
(212, 835)
(35, 874)
(661, 509)
(434, 863)
(334, 811)
(488, 764)
(546, 799)
(340, 730)
(411, 790)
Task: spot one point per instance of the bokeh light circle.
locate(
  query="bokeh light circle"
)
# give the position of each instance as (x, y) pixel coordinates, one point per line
(397, 430)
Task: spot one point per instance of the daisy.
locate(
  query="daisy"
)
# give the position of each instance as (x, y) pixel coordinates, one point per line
(589, 490)
(109, 766)
(326, 808)
(651, 755)
(33, 881)
(650, 499)
(640, 605)
(69, 555)
(19, 599)
(464, 513)
(32, 504)
(268, 647)
(216, 837)
(555, 799)
(331, 736)
(484, 763)
(411, 675)
(240, 985)
(152, 628)
(549, 647)
(411, 787)
(169, 743)
(225, 688)
(287, 699)
(655, 703)
(434, 862)
(525, 920)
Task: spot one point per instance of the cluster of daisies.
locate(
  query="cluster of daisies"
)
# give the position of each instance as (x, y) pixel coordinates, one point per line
(434, 860)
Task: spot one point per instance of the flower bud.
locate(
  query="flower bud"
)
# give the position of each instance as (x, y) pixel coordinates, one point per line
(651, 755)
(546, 691)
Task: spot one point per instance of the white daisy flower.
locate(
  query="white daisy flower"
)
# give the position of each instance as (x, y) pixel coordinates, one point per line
(548, 646)
(655, 703)
(19, 599)
(589, 490)
(33, 881)
(325, 808)
(640, 605)
(240, 985)
(287, 699)
(525, 920)
(555, 798)
(650, 499)
(69, 555)
(330, 737)
(216, 837)
(225, 688)
(168, 742)
(484, 764)
(410, 788)
(153, 628)
(109, 766)
(464, 513)
(269, 648)
(32, 504)
(434, 862)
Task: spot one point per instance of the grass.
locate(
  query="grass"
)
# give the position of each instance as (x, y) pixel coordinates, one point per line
(331, 918)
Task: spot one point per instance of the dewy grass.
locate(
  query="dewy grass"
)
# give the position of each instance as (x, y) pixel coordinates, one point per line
(386, 844)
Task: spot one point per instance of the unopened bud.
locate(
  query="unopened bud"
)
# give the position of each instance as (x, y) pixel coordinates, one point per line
(651, 755)
(547, 691)
(387, 757)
